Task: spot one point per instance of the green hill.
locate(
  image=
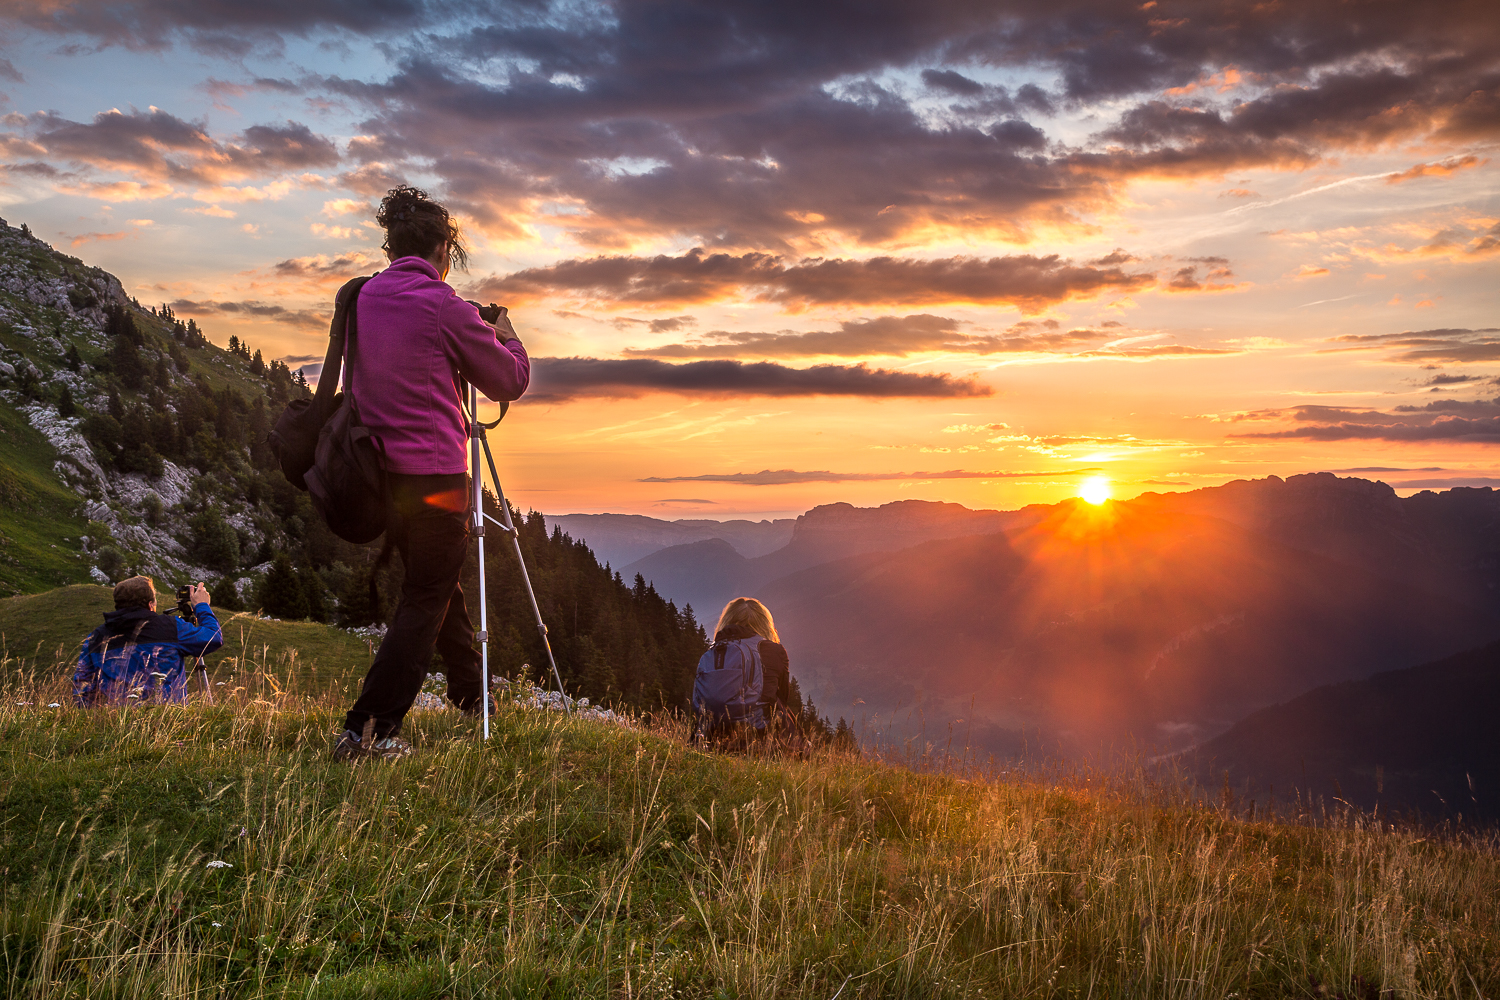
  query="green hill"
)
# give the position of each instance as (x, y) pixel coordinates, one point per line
(40, 517)
(218, 851)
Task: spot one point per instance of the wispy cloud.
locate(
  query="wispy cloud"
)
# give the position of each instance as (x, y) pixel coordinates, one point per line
(788, 477)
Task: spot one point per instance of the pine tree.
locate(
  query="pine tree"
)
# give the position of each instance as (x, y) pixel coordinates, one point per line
(126, 359)
(257, 364)
(355, 605)
(73, 358)
(312, 590)
(226, 595)
(65, 405)
(214, 542)
(281, 594)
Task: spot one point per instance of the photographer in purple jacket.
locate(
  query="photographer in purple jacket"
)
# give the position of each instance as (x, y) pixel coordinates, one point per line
(418, 342)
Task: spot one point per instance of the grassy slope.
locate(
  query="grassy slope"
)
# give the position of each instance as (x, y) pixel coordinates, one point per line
(568, 858)
(40, 518)
(39, 629)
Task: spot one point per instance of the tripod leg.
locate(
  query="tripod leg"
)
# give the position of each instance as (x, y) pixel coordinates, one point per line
(515, 540)
(476, 437)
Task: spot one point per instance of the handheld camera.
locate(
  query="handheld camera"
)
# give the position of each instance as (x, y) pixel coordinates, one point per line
(185, 603)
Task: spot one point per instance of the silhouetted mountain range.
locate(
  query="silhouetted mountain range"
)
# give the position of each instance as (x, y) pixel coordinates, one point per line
(1101, 624)
(1423, 739)
(707, 576)
(1163, 619)
(619, 539)
(1448, 542)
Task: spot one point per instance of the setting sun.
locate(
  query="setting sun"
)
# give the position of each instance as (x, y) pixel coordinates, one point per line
(1095, 490)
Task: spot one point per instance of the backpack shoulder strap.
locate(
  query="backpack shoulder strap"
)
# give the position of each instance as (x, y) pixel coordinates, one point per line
(338, 331)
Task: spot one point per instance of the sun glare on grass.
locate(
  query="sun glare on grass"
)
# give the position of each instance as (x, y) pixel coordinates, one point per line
(1095, 490)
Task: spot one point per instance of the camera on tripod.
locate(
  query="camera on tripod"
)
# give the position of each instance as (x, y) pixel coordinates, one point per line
(185, 603)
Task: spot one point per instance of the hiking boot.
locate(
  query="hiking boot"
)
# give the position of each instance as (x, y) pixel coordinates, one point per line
(473, 711)
(352, 746)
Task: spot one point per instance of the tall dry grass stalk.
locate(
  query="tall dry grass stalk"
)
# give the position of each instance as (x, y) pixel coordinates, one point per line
(568, 858)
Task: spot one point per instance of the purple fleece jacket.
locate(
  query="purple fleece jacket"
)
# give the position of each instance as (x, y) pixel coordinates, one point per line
(415, 338)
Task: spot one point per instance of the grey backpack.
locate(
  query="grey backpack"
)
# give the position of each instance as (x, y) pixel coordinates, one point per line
(728, 685)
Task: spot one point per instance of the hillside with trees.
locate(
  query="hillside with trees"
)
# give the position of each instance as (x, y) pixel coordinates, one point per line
(132, 443)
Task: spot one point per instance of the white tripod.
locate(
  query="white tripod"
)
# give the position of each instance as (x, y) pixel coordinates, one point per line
(478, 441)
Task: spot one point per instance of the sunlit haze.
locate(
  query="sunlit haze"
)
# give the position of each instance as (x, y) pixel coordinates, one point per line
(773, 257)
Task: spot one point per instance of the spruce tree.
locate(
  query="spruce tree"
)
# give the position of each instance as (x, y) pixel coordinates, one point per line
(73, 358)
(281, 594)
(65, 405)
(126, 358)
(214, 541)
(312, 590)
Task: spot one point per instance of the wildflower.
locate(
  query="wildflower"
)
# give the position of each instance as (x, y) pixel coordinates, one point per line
(219, 864)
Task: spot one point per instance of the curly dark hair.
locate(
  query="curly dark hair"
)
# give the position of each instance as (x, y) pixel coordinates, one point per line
(415, 225)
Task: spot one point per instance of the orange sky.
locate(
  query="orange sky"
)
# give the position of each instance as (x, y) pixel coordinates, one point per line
(1210, 262)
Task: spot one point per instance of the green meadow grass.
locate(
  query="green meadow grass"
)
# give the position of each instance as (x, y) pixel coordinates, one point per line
(40, 517)
(568, 858)
(303, 657)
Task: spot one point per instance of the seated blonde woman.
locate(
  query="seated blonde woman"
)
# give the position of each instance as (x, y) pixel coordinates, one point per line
(726, 698)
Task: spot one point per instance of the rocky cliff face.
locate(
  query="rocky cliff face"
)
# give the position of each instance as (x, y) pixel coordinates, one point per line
(55, 346)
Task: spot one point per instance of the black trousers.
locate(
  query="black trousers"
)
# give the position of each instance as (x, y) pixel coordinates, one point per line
(432, 535)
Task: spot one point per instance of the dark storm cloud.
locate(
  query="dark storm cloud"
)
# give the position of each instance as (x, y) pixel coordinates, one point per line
(788, 477)
(218, 26)
(323, 268)
(155, 145)
(895, 336)
(759, 122)
(1468, 421)
(951, 82)
(250, 309)
(1028, 282)
(559, 379)
(761, 125)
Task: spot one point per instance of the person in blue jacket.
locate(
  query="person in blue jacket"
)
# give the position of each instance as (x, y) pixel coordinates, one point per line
(138, 655)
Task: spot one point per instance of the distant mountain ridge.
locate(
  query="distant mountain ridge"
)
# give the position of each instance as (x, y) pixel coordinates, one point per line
(1095, 625)
(708, 576)
(1449, 541)
(620, 539)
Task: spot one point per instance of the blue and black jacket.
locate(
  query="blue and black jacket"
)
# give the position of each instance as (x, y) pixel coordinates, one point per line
(139, 655)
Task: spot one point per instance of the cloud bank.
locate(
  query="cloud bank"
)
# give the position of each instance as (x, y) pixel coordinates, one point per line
(563, 379)
(789, 477)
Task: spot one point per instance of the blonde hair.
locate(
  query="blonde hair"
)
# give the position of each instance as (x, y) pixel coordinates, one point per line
(751, 614)
(136, 592)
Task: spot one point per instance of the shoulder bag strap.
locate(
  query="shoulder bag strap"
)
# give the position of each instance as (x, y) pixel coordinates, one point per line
(333, 362)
